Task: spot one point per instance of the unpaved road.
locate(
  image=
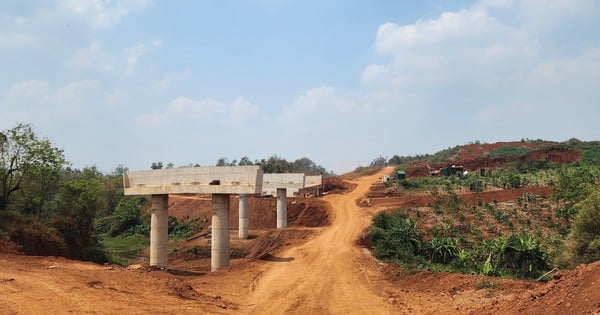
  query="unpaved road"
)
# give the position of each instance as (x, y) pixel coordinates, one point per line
(326, 274)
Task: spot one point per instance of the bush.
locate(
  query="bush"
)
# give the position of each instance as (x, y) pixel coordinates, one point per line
(396, 238)
(584, 239)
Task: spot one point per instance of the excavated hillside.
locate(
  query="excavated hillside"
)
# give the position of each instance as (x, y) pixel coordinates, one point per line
(298, 270)
(491, 155)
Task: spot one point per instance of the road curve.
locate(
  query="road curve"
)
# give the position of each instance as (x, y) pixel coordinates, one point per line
(326, 274)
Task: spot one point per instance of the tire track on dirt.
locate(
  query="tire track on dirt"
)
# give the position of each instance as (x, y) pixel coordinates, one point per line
(324, 275)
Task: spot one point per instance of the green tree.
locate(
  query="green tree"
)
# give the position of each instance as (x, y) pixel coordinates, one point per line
(23, 155)
(78, 203)
(584, 239)
(574, 184)
(245, 161)
(379, 161)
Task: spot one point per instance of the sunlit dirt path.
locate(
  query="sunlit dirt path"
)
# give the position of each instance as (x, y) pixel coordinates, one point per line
(326, 274)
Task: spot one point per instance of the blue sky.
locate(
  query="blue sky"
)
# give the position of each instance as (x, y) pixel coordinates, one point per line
(136, 81)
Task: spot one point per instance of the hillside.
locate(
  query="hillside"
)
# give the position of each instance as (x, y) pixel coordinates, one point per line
(523, 154)
(346, 252)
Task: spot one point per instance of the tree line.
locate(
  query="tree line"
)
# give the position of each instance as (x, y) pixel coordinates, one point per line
(50, 208)
(273, 164)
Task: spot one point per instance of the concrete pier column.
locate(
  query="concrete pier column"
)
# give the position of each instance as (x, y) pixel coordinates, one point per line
(243, 224)
(281, 208)
(159, 230)
(219, 253)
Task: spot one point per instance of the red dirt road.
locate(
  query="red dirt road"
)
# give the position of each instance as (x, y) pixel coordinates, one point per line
(327, 274)
(320, 271)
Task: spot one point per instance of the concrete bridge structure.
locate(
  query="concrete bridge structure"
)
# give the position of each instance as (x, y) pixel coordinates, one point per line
(220, 182)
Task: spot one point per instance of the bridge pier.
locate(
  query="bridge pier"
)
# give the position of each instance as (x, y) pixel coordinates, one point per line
(159, 230)
(219, 252)
(243, 224)
(281, 208)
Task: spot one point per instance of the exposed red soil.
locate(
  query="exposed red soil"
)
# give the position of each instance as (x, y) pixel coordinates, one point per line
(475, 156)
(558, 155)
(7, 247)
(309, 212)
(570, 292)
(298, 270)
(379, 198)
(336, 185)
(472, 151)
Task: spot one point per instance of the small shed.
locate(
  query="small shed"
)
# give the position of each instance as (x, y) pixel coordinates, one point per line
(400, 175)
(385, 178)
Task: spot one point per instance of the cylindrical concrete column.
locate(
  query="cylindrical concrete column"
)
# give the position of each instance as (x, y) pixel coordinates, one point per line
(219, 253)
(281, 208)
(243, 217)
(159, 230)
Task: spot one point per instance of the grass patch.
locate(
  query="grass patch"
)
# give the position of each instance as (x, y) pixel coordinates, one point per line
(486, 284)
(123, 250)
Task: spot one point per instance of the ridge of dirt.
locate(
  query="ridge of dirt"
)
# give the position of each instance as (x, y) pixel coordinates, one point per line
(8, 247)
(272, 240)
(569, 292)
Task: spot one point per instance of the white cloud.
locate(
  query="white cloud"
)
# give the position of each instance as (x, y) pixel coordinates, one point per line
(133, 54)
(96, 59)
(44, 23)
(164, 83)
(102, 13)
(487, 50)
(242, 110)
(93, 58)
(76, 95)
(319, 101)
(27, 90)
(207, 110)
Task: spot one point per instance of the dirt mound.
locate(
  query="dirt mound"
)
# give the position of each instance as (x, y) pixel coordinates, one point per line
(400, 199)
(556, 154)
(472, 151)
(309, 212)
(336, 185)
(570, 292)
(8, 247)
(269, 242)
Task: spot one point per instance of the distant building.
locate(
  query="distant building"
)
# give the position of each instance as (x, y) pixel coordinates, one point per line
(451, 170)
(400, 175)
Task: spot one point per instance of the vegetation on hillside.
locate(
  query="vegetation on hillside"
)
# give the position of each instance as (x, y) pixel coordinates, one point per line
(522, 238)
(50, 208)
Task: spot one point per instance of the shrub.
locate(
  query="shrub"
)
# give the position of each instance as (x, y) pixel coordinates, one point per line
(584, 239)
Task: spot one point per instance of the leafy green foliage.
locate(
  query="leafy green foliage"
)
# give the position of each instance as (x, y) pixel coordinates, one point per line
(574, 184)
(276, 164)
(181, 228)
(78, 202)
(396, 238)
(22, 156)
(128, 218)
(584, 239)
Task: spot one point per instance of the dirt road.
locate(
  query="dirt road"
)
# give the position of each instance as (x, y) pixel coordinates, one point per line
(326, 274)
